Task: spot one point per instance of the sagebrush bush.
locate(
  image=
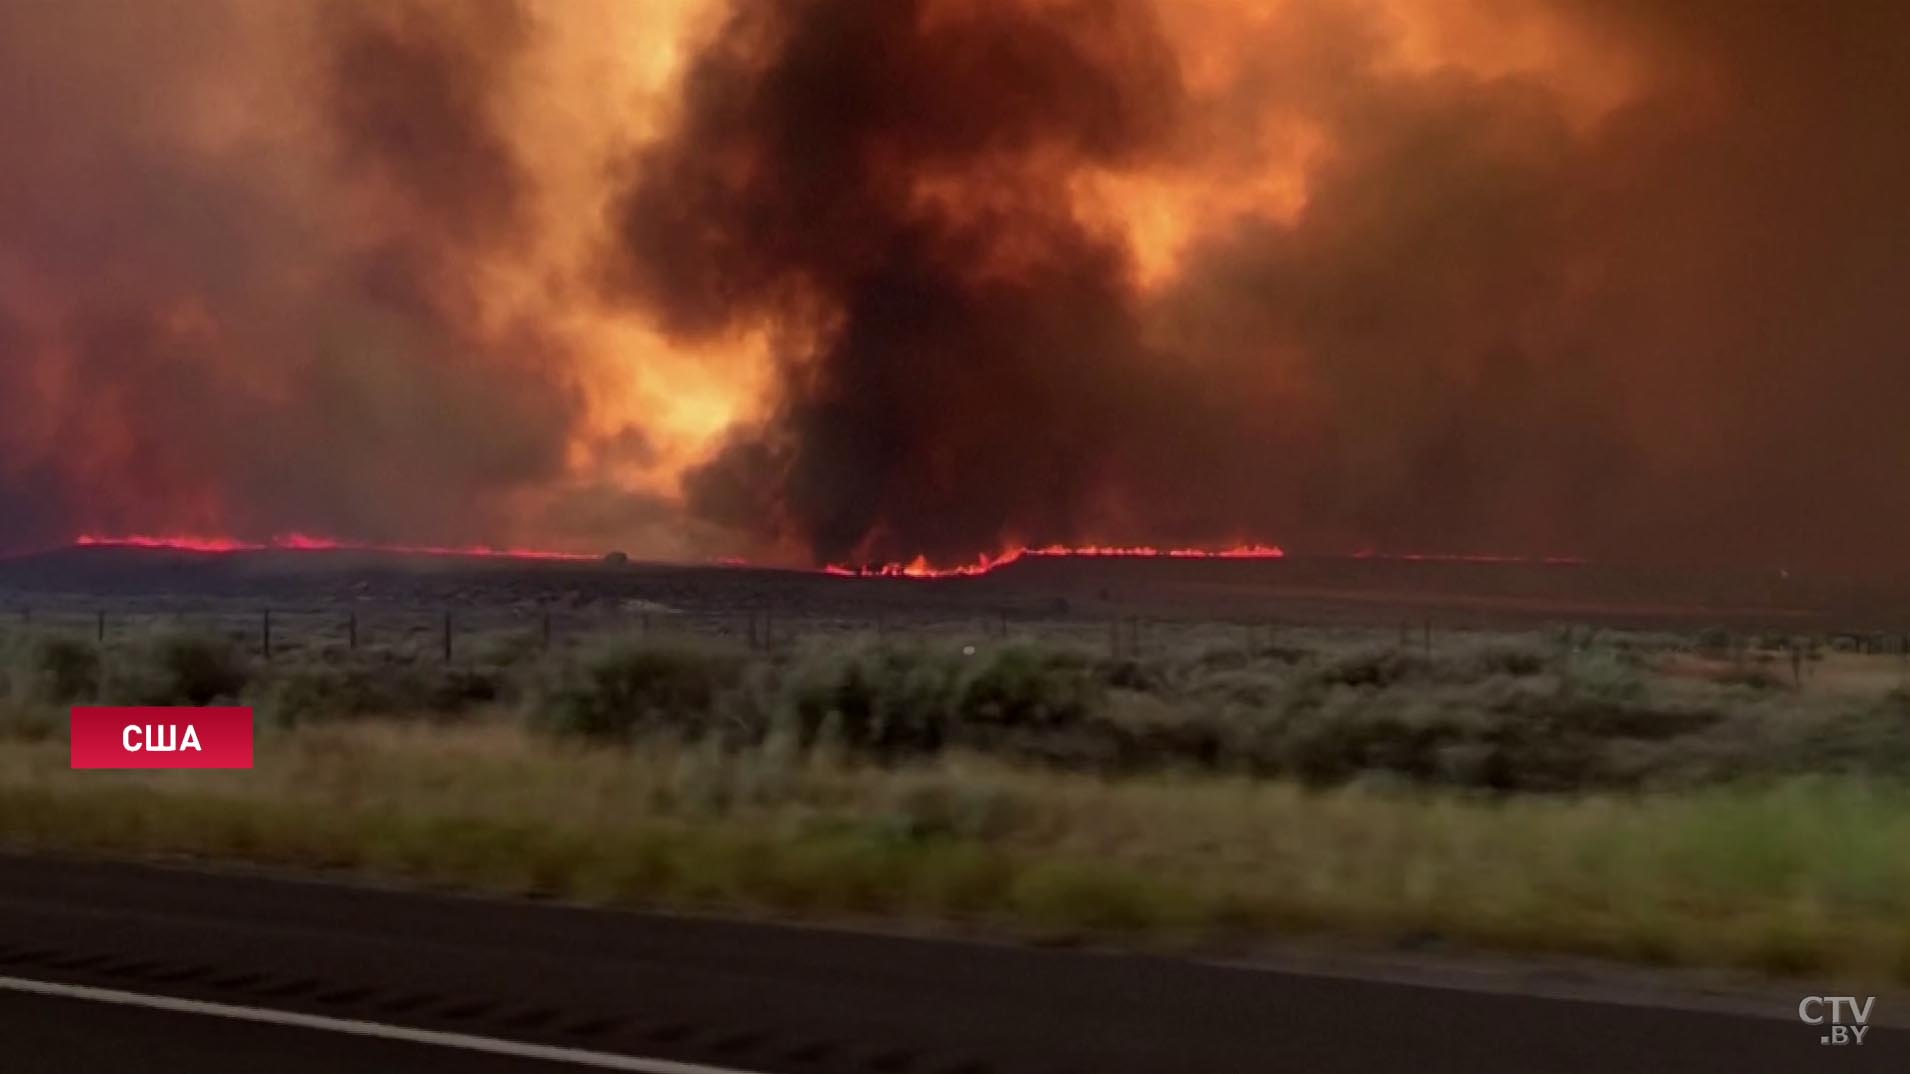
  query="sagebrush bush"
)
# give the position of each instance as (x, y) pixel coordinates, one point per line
(874, 697)
(52, 669)
(1378, 667)
(1497, 716)
(628, 686)
(374, 685)
(175, 668)
(892, 700)
(1566, 711)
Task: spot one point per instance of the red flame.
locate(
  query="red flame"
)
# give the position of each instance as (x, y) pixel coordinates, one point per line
(919, 567)
(301, 542)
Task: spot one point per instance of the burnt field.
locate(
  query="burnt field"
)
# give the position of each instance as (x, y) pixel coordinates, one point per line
(1072, 593)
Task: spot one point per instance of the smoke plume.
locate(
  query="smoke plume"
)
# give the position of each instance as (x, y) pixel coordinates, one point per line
(857, 280)
(1658, 325)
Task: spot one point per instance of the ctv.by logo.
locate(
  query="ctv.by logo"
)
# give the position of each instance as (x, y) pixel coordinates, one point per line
(1810, 1008)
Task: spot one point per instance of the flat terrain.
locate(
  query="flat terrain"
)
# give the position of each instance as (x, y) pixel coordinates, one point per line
(1176, 760)
(1087, 590)
(768, 999)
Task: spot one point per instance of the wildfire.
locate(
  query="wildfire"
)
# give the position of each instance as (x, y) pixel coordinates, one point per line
(300, 542)
(919, 567)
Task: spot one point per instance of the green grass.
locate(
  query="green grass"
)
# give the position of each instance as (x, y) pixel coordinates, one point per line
(1801, 875)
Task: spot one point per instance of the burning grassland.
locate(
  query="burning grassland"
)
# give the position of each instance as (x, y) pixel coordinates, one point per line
(854, 282)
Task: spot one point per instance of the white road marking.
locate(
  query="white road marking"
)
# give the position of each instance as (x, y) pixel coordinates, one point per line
(353, 1027)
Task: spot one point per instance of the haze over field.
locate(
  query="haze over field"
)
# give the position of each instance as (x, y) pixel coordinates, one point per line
(859, 280)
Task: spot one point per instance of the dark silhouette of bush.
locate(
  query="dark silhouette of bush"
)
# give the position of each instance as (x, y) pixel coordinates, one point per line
(374, 685)
(631, 686)
(55, 670)
(176, 668)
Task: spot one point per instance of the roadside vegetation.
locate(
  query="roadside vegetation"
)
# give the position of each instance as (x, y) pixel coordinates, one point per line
(1549, 713)
(1651, 798)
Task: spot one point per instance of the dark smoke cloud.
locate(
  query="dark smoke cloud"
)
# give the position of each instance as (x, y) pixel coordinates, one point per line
(901, 175)
(249, 258)
(277, 329)
(1673, 332)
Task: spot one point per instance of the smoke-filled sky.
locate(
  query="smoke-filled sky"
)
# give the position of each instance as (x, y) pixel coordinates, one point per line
(856, 280)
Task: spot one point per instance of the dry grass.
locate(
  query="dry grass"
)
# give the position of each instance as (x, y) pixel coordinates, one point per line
(1806, 875)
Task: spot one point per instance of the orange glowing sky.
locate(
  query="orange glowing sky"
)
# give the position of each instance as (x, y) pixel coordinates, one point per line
(605, 62)
(1537, 276)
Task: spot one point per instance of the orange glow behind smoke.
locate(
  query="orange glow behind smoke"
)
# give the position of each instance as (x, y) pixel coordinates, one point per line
(921, 568)
(1251, 156)
(602, 79)
(299, 542)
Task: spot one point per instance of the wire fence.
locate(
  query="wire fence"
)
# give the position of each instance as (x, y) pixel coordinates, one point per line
(451, 634)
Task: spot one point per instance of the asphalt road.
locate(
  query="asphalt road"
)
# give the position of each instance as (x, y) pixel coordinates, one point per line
(259, 973)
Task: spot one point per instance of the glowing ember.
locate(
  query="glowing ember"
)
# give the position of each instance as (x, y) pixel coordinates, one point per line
(300, 542)
(919, 567)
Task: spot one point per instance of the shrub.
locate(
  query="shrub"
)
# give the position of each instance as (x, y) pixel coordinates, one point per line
(1752, 676)
(1024, 685)
(300, 692)
(1715, 639)
(892, 701)
(1373, 667)
(875, 697)
(1502, 658)
(176, 668)
(628, 686)
(54, 670)
(1604, 676)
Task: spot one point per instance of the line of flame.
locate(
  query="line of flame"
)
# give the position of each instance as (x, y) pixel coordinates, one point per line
(919, 567)
(302, 542)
